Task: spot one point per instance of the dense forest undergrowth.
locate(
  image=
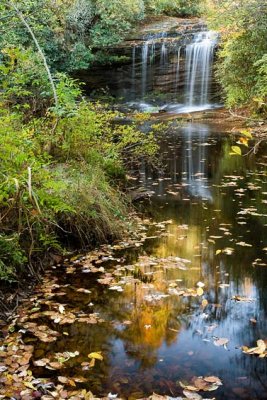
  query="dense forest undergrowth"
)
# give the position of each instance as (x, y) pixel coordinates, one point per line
(64, 159)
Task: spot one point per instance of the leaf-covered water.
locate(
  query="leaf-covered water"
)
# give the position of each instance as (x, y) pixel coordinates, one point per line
(177, 305)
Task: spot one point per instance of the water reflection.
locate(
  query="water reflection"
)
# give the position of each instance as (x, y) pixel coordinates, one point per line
(194, 172)
(154, 336)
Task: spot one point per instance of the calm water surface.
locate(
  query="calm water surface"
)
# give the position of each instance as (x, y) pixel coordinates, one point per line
(152, 337)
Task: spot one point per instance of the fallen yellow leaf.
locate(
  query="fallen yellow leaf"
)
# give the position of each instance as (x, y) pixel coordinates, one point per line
(96, 355)
(200, 291)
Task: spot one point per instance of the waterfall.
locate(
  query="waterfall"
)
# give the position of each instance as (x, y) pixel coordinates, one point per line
(199, 55)
(133, 69)
(148, 55)
(163, 55)
(152, 53)
(177, 74)
(145, 49)
(166, 65)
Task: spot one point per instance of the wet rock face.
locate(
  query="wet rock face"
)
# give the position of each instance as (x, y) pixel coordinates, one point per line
(173, 26)
(168, 62)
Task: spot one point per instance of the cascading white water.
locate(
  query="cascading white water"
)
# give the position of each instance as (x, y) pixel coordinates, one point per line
(133, 69)
(177, 72)
(148, 58)
(145, 49)
(163, 55)
(152, 53)
(180, 65)
(199, 57)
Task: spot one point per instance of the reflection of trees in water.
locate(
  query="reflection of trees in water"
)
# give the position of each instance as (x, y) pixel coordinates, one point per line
(150, 328)
(152, 324)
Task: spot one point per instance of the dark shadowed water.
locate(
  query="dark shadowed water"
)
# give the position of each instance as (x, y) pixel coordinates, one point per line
(157, 329)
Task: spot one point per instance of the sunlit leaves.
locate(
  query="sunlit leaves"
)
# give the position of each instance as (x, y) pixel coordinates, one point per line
(42, 332)
(246, 133)
(236, 150)
(97, 355)
(243, 141)
(206, 384)
(260, 350)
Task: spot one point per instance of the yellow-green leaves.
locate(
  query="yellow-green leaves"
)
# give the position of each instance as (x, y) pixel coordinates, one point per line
(246, 132)
(236, 151)
(96, 355)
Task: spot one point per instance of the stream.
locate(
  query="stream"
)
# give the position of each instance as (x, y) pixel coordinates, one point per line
(152, 314)
(159, 308)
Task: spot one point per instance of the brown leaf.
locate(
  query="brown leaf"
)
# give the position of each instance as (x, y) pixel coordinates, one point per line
(213, 379)
(41, 363)
(63, 379)
(192, 395)
(188, 387)
(221, 342)
(56, 365)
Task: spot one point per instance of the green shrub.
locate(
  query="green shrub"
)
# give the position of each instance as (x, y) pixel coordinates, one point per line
(42, 202)
(68, 197)
(12, 256)
(242, 59)
(174, 8)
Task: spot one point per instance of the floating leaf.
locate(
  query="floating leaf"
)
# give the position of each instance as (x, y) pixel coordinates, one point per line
(240, 298)
(185, 386)
(61, 309)
(41, 363)
(204, 303)
(29, 385)
(221, 341)
(96, 355)
(62, 379)
(192, 395)
(244, 244)
(55, 365)
(213, 379)
(82, 290)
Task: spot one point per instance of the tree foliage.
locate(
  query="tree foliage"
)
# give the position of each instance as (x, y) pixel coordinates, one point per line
(73, 34)
(242, 58)
(174, 8)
